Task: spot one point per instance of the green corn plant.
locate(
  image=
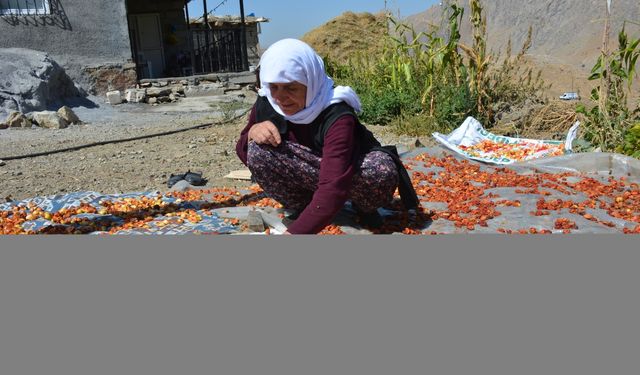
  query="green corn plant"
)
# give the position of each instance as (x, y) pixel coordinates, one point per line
(631, 142)
(478, 59)
(610, 117)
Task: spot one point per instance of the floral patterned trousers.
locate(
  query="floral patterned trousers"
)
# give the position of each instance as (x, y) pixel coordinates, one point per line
(290, 172)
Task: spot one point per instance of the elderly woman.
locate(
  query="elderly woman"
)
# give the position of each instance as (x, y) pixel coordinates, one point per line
(306, 148)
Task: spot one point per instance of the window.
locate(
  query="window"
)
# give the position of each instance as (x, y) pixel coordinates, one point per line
(24, 7)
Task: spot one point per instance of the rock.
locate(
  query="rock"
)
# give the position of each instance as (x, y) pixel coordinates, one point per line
(18, 120)
(2, 163)
(50, 120)
(183, 185)
(158, 91)
(145, 84)
(232, 87)
(173, 97)
(164, 99)
(177, 90)
(31, 81)
(68, 115)
(160, 84)
(208, 89)
(3, 125)
(243, 79)
(152, 100)
(135, 95)
(255, 222)
(114, 97)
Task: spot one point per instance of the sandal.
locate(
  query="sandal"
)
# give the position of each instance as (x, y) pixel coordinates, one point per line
(174, 179)
(195, 179)
(192, 178)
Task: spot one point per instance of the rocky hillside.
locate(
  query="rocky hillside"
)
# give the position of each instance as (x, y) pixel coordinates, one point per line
(570, 30)
(342, 36)
(566, 41)
(567, 35)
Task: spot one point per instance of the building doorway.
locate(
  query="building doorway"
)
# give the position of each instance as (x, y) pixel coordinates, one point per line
(148, 47)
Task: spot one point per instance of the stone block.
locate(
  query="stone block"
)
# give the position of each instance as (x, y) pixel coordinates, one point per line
(135, 95)
(114, 97)
(209, 89)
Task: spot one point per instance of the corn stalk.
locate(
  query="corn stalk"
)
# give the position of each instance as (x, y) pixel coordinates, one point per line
(478, 59)
(610, 118)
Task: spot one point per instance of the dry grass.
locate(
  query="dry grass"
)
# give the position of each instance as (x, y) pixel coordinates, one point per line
(347, 34)
(548, 121)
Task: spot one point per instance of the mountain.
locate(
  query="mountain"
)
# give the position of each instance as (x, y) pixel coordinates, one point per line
(566, 39)
(567, 34)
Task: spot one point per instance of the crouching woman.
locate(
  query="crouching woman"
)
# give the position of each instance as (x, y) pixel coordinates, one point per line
(306, 148)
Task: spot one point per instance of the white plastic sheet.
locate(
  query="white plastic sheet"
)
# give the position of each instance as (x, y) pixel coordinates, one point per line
(471, 133)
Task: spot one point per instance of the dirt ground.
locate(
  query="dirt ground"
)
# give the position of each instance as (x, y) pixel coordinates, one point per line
(140, 165)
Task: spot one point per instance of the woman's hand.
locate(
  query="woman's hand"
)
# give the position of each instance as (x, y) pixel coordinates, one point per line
(265, 133)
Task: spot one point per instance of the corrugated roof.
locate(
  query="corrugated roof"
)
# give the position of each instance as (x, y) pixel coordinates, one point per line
(229, 19)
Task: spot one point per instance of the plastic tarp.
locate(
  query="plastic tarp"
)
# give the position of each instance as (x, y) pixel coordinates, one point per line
(471, 133)
(599, 166)
(210, 223)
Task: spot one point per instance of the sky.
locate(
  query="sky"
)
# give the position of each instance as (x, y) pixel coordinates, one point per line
(293, 18)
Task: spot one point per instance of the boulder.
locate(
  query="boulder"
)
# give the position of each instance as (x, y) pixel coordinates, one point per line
(50, 120)
(114, 97)
(18, 120)
(152, 100)
(32, 81)
(68, 115)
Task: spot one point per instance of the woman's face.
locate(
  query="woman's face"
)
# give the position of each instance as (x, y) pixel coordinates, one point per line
(290, 97)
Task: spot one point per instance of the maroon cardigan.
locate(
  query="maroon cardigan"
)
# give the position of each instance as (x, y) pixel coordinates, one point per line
(336, 170)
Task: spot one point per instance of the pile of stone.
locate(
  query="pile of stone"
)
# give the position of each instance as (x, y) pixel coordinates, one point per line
(169, 91)
(44, 119)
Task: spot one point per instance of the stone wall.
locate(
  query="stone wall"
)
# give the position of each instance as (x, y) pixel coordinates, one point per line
(104, 78)
(77, 33)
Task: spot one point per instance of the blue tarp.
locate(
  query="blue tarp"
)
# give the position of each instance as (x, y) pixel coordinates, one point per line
(211, 223)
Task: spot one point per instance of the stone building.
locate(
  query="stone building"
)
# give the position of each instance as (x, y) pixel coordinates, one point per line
(108, 45)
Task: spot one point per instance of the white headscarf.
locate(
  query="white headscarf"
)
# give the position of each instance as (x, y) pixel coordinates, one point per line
(291, 60)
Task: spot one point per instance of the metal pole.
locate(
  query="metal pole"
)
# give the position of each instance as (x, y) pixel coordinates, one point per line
(192, 55)
(243, 39)
(205, 19)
